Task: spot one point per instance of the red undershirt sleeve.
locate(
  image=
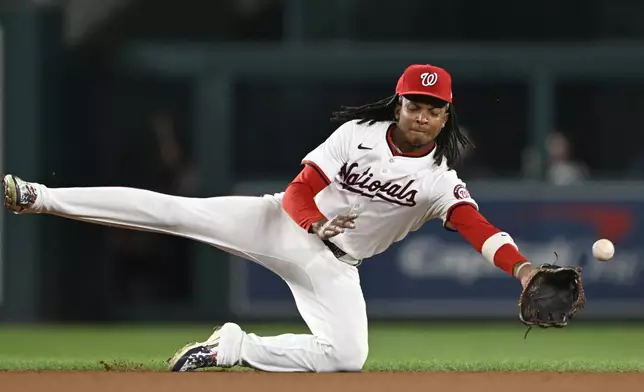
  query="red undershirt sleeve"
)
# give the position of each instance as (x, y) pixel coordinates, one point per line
(298, 200)
(495, 245)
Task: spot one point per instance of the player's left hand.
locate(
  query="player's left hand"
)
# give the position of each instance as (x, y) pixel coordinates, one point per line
(525, 275)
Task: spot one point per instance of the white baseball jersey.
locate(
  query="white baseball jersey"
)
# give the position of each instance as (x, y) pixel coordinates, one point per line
(392, 194)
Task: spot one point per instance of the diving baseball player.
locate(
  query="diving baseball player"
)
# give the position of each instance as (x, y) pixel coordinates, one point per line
(385, 171)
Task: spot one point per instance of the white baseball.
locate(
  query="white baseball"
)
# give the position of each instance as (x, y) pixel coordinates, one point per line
(603, 250)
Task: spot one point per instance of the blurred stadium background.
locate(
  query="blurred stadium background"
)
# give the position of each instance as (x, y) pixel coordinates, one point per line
(201, 99)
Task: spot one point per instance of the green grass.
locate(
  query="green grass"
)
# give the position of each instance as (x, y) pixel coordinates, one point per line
(402, 347)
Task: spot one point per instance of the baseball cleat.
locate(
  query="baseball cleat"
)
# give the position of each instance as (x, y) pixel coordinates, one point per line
(19, 195)
(195, 356)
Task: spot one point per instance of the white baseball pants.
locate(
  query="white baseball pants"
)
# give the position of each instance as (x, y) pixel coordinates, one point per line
(327, 291)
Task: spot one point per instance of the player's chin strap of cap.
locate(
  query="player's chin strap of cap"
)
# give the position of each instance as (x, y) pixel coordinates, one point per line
(341, 255)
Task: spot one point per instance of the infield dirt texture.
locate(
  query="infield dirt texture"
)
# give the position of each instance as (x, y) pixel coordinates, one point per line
(369, 381)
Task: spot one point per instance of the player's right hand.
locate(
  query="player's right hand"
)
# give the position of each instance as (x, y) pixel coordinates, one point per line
(326, 229)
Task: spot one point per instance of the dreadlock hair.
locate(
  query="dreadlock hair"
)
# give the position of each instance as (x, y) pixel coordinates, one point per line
(450, 142)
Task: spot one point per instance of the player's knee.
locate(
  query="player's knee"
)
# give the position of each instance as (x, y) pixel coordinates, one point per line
(348, 357)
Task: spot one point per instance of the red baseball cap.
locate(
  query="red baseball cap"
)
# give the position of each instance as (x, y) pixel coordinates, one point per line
(426, 79)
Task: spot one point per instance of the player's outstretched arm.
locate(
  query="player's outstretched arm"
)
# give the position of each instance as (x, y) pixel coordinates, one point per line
(495, 245)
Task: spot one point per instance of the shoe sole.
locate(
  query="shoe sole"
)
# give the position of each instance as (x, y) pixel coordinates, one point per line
(10, 192)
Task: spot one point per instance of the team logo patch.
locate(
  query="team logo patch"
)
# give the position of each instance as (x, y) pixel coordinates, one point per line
(428, 79)
(461, 192)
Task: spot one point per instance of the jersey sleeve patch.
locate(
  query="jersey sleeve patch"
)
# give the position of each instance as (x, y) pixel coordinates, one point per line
(447, 193)
(461, 192)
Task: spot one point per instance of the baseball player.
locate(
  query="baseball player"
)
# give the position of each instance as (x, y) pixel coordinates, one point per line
(385, 171)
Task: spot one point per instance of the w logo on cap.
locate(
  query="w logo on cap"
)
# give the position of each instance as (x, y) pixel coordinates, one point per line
(428, 79)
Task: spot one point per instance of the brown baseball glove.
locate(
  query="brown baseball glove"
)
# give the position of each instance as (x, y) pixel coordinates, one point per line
(552, 297)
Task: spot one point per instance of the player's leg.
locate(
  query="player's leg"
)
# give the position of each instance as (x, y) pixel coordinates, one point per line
(233, 223)
(329, 298)
(327, 291)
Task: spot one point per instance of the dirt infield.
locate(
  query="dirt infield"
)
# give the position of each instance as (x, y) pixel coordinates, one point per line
(373, 381)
